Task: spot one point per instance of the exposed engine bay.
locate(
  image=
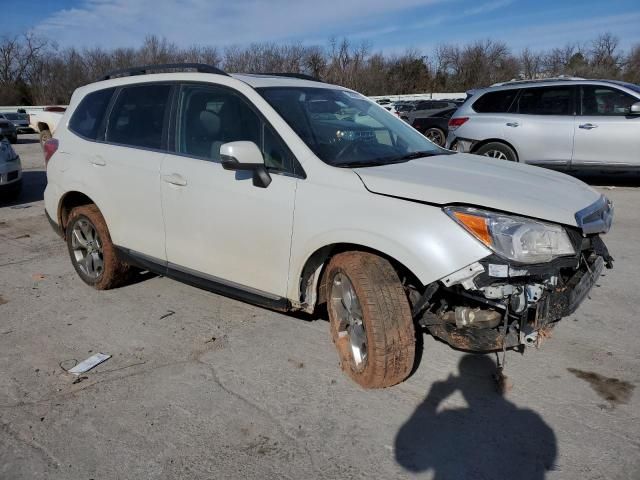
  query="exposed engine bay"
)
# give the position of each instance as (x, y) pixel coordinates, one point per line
(496, 304)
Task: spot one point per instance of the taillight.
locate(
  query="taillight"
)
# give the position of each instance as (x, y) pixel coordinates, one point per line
(50, 147)
(457, 122)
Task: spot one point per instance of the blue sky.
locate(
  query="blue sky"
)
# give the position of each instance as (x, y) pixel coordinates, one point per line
(388, 25)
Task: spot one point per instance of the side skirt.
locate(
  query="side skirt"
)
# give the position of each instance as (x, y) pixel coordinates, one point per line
(204, 281)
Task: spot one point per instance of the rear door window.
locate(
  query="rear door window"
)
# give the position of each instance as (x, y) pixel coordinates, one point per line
(495, 102)
(138, 117)
(605, 101)
(88, 116)
(546, 101)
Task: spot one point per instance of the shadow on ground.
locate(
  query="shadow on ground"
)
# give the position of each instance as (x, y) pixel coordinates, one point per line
(22, 140)
(490, 439)
(33, 185)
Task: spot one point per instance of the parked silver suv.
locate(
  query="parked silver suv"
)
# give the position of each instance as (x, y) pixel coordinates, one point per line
(559, 123)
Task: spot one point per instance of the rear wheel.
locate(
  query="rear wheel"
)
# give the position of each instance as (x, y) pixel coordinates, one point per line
(498, 150)
(436, 135)
(91, 251)
(44, 136)
(371, 323)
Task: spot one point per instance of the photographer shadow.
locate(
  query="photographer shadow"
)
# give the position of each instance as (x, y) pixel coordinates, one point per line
(490, 439)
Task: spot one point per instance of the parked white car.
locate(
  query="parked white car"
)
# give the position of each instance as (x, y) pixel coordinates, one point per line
(10, 171)
(565, 123)
(45, 121)
(292, 194)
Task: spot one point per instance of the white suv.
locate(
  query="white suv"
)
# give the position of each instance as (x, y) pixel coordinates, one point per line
(564, 124)
(292, 194)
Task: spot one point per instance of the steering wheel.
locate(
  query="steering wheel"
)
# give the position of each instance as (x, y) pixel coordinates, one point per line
(348, 148)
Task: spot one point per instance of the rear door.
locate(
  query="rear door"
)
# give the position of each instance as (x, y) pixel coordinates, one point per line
(605, 133)
(542, 126)
(128, 163)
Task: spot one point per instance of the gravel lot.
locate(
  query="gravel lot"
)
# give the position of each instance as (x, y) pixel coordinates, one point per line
(201, 386)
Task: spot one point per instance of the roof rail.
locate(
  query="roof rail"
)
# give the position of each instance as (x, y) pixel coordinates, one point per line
(301, 76)
(538, 80)
(142, 70)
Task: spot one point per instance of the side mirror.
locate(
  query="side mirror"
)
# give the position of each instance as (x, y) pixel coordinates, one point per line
(635, 109)
(245, 156)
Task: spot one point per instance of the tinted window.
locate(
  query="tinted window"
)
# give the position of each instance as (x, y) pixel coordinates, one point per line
(546, 101)
(495, 102)
(211, 116)
(137, 117)
(598, 100)
(87, 118)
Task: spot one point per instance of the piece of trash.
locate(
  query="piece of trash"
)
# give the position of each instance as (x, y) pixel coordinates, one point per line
(168, 314)
(211, 340)
(609, 188)
(38, 276)
(16, 207)
(89, 363)
(26, 235)
(79, 379)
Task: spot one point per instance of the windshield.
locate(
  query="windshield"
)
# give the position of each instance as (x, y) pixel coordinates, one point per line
(345, 129)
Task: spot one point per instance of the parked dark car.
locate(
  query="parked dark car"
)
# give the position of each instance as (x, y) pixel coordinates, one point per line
(435, 126)
(425, 108)
(8, 131)
(19, 120)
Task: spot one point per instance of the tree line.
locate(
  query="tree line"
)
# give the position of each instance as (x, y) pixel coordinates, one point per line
(35, 71)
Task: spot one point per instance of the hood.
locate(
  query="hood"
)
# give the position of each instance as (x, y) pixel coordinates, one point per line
(483, 182)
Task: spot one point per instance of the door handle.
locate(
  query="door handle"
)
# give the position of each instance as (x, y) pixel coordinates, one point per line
(98, 161)
(175, 179)
(587, 126)
(513, 124)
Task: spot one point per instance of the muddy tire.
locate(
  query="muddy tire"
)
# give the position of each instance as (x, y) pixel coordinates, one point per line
(44, 136)
(91, 250)
(377, 349)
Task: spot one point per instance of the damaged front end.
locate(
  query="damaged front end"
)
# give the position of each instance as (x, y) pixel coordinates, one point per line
(499, 303)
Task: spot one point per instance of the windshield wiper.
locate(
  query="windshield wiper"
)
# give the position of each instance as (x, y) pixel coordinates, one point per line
(370, 163)
(414, 155)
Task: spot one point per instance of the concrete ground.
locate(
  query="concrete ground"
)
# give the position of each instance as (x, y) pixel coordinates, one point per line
(201, 386)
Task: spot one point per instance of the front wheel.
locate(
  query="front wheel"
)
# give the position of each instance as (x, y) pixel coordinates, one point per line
(499, 151)
(371, 323)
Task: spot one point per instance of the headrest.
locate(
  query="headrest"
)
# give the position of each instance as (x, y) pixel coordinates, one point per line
(210, 122)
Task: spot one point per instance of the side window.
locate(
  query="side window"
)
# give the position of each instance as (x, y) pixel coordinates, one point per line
(276, 155)
(138, 116)
(546, 101)
(87, 118)
(495, 102)
(598, 100)
(211, 116)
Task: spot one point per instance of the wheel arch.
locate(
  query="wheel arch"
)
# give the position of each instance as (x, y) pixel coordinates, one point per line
(482, 143)
(311, 282)
(68, 202)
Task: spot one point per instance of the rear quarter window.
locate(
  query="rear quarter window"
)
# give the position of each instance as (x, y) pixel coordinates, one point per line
(495, 102)
(88, 116)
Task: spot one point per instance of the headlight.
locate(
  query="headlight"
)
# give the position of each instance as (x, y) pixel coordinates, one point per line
(515, 238)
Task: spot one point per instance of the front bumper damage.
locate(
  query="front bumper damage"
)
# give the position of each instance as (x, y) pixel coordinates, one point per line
(495, 304)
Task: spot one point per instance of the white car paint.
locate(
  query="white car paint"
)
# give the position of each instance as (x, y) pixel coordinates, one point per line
(212, 222)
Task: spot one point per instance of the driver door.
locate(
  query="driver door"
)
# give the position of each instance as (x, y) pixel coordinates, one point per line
(219, 226)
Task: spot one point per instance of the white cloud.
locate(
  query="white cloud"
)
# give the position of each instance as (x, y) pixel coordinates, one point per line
(215, 22)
